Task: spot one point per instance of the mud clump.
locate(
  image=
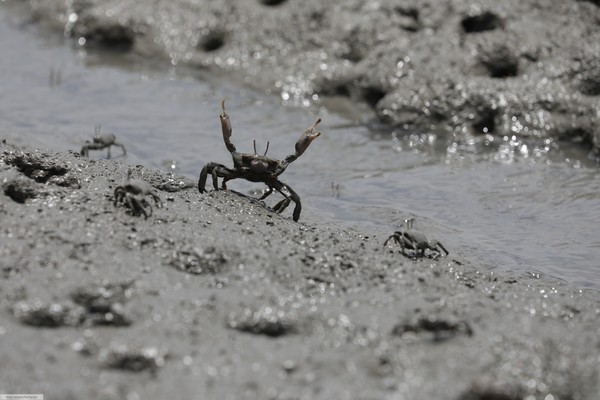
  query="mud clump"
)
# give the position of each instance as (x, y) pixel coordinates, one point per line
(67, 180)
(95, 305)
(122, 357)
(439, 328)
(197, 261)
(266, 321)
(169, 182)
(51, 315)
(37, 166)
(104, 304)
(21, 190)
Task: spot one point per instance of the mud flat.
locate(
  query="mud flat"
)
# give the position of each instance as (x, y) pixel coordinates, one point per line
(523, 68)
(214, 296)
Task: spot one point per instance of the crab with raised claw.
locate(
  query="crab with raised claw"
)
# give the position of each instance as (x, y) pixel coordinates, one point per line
(101, 141)
(133, 195)
(258, 168)
(415, 241)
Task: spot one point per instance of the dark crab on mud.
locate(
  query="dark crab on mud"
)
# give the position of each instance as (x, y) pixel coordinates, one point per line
(258, 168)
(133, 195)
(416, 241)
(101, 141)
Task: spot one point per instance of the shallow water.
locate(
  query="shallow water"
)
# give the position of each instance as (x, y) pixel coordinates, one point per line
(513, 205)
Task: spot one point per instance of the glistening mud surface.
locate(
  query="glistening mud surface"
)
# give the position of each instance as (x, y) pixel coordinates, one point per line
(215, 296)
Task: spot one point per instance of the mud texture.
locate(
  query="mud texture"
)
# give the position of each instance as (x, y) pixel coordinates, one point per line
(529, 68)
(214, 296)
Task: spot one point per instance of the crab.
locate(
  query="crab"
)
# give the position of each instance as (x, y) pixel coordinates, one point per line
(132, 194)
(101, 141)
(416, 241)
(258, 168)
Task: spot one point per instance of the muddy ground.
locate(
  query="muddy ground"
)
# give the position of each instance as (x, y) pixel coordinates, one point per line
(214, 296)
(529, 68)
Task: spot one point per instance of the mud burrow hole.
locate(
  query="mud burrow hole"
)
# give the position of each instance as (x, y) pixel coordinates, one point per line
(481, 22)
(212, 41)
(272, 3)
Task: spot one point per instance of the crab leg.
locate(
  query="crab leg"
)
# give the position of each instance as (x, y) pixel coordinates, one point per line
(85, 150)
(396, 236)
(281, 205)
(118, 145)
(293, 196)
(298, 208)
(216, 170)
(400, 240)
(157, 200)
(137, 206)
(119, 195)
(441, 246)
(208, 168)
(403, 243)
(142, 207)
(267, 193)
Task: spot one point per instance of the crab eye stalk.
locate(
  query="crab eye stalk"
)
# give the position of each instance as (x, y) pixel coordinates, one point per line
(256, 153)
(307, 137)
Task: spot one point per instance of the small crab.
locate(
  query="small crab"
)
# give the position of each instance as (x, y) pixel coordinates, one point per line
(258, 168)
(101, 141)
(416, 241)
(132, 194)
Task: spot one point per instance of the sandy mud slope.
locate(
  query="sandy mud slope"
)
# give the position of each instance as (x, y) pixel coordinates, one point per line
(214, 296)
(529, 68)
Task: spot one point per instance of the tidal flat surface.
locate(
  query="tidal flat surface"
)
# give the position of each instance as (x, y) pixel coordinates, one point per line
(510, 204)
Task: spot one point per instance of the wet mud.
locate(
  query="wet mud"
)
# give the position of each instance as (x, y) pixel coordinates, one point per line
(523, 68)
(215, 295)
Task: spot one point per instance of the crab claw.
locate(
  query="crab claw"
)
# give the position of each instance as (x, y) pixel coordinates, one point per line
(226, 128)
(225, 123)
(307, 137)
